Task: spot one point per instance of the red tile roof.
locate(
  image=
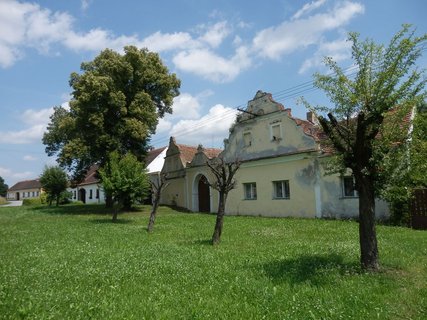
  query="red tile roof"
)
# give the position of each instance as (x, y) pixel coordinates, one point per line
(27, 184)
(187, 153)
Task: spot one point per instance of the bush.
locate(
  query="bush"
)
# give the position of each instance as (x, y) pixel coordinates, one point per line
(32, 202)
(2, 201)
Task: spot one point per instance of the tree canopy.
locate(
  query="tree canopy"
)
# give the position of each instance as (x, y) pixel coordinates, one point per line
(116, 103)
(3, 187)
(54, 182)
(386, 82)
(125, 178)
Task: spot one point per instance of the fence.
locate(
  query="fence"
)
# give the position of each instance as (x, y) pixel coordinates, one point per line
(418, 209)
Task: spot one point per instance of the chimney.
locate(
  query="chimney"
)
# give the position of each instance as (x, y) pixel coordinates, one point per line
(311, 117)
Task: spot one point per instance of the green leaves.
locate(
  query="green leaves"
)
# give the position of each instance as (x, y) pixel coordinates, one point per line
(54, 181)
(116, 104)
(125, 179)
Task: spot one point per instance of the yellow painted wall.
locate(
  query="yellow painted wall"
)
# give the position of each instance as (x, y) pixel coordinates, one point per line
(174, 193)
(298, 171)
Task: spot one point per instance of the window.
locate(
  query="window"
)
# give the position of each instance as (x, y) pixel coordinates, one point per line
(276, 132)
(247, 138)
(349, 189)
(97, 194)
(281, 189)
(33, 194)
(75, 194)
(90, 194)
(250, 190)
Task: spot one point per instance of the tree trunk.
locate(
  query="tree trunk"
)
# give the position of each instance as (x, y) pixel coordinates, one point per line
(109, 203)
(367, 234)
(216, 237)
(153, 216)
(57, 200)
(115, 213)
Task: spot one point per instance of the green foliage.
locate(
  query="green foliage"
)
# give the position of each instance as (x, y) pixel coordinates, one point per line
(73, 263)
(364, 123)
(116, 104)
(385, 81)
(405, 168)
(3, 187)
(54, 182)
(125, 179)
(32, 202)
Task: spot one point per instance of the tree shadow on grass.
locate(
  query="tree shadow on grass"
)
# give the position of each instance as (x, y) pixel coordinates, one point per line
(110, 221)
(317, 270)
(75, 209)
(203, 242)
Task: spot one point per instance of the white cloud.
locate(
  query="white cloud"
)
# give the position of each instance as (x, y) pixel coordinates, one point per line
(163, 126)
(212, 126)
(338, 50)
(159, 42)
(29, 158)
(36, 119)
(85, 4)
(307, 8)
(8, 174)
(215, 34)
(30, 135)
(274, 42)
(186, 106)
(207, 64)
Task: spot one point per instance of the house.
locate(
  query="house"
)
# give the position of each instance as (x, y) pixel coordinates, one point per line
(90, 191)
(185, 169)
(281, 174)
(25, 190)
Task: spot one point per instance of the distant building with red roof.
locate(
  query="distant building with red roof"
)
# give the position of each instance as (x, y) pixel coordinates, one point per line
(24, 190)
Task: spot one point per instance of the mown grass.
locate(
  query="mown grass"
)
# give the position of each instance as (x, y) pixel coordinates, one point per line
(73, 263)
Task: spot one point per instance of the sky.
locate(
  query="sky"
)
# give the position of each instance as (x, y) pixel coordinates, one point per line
(223, 51)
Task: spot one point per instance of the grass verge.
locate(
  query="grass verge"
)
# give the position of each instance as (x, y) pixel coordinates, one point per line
(71, 262)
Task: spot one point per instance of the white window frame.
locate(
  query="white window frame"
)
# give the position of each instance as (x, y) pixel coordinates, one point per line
(285, 189)
(272, 136)
(247, 142)
(346, 194)
(252, 194)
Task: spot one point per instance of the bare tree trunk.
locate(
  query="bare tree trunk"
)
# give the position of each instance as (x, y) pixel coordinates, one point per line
(216, 237)
(153, 215)
(369, 258)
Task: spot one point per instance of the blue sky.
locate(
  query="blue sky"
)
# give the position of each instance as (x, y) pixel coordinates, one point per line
(223, 51)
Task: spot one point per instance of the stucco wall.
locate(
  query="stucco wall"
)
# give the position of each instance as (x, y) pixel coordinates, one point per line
(24, 194)
(175, 193)
(296, 169)
(87, 188)
(335, 205)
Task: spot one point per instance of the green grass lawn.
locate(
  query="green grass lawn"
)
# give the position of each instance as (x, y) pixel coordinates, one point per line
(73, 263)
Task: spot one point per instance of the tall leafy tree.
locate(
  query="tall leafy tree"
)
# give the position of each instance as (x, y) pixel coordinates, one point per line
(54, 182)
(3, 187)
(224, 182)
(116, 103)
(386, 80)
(125, 178)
